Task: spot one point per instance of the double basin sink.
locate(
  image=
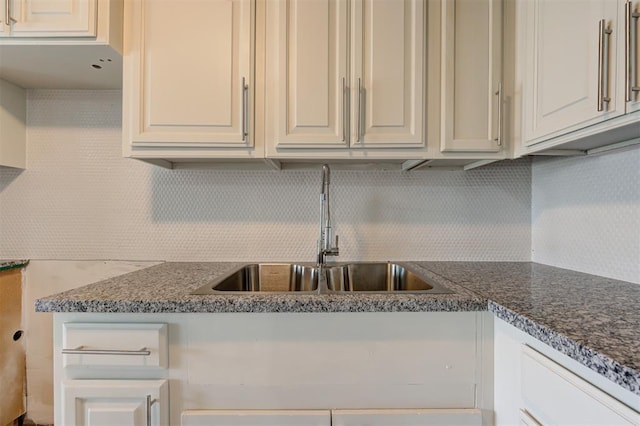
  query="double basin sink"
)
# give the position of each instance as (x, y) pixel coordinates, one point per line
(372, 277)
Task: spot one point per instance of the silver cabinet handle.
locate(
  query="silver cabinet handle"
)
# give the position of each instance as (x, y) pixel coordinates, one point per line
(359, 123)
(498, 139)
(631, 40)
(245, 110)
(81, 351)
(149, 403)
(346, 106)
(603, 65)
(8, 19)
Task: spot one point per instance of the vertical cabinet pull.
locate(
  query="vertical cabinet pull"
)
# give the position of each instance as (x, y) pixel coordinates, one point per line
(359, 123)
(498, 93)
(603, 64)
(245, 110)
(346, 107)
(8, 19)
(148, 403)
(631, 49)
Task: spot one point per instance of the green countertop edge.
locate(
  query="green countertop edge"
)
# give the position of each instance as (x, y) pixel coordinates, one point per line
(17, 264)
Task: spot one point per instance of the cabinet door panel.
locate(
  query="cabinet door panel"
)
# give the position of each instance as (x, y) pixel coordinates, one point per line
(471, 75)
(561, 66)
(634, 55)
(256, 418)
(406, 417)
(554, 395)
(187, 85)
(60, 18)
(114, 402)
(388, 73)
(307, 78)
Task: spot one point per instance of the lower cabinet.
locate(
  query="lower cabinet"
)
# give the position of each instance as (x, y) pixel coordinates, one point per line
(551, 394)
(536, 385)
(252, 369)
(114, 402)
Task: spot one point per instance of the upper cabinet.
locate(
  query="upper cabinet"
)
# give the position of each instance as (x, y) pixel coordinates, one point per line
(189, 93)
(472, 107)
(45, 18)
(313, 80)
(632, 47)
(61, 44)
(344, 76)
(579, 72)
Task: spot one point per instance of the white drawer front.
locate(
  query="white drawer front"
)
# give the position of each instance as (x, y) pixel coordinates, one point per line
(91, 345)
(554, 395)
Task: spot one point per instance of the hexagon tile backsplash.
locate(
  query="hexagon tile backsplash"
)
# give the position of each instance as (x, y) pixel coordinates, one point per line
(79, 199)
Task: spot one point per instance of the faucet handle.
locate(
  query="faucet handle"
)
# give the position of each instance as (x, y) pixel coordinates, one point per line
(334, 251)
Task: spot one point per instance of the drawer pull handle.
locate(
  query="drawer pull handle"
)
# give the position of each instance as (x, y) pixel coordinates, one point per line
(81, 351)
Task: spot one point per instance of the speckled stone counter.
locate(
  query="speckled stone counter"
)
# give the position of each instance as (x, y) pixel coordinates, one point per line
(12, 264)
(167, 288)
(593, 320)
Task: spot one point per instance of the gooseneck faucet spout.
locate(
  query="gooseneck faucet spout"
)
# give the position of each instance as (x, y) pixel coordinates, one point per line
(325, 247)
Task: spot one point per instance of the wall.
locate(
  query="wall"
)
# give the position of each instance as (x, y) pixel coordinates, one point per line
(586, 214)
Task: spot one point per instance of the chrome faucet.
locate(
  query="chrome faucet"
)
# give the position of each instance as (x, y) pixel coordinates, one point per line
(324, 243)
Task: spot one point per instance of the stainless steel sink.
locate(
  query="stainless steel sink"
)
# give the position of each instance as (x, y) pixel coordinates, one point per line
(265, 277)
(370, 277)
(379, 277)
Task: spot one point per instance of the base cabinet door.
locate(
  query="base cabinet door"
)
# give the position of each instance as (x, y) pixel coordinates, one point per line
(553, 395)
(406, 417)
(115, 402)
(256, 418)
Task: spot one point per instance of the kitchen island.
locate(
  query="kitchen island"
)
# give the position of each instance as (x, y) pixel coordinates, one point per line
(592, 321)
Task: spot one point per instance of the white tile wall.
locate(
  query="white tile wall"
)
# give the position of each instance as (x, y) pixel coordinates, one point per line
(586, 214)
(79, 199)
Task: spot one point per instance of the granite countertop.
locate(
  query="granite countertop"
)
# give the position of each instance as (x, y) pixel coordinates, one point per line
(167, 288)
(591, 319)
(12, 264)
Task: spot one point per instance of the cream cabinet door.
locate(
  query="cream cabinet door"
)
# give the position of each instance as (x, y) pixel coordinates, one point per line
(461, 417)
(256, 418)
(5, 28)
(471, 76)
(114, 402)
(632, 25)
(573, 63)
(46, 18)
(344, 74)
(388, 73)
(187, 74)
(307, 81)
